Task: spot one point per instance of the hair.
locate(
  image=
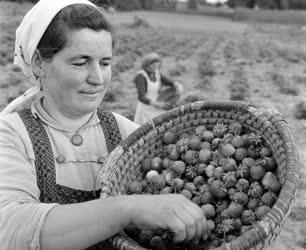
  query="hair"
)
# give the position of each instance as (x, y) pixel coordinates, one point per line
(72, 17)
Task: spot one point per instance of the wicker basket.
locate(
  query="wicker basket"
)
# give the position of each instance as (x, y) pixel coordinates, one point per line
(123, 165)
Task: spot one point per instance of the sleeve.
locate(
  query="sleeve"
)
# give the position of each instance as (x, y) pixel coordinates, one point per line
(126, 126)
(22, 215)
(166, 81)
(141, 86)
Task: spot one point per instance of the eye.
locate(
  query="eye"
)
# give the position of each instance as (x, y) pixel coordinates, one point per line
(105, 64)
(79, 64)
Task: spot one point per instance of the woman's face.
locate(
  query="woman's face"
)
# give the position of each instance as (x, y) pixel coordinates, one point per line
(77, 77)
(153, 67)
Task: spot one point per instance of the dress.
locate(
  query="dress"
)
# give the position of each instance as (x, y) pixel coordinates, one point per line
(74, 170)
(145, 112)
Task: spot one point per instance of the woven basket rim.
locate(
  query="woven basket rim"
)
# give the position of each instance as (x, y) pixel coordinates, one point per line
(261, 230)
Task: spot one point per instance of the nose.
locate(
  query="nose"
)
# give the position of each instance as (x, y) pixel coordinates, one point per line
(95, 75)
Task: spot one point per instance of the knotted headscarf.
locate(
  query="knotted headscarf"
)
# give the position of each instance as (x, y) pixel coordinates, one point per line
(28, 35)
(150, 58)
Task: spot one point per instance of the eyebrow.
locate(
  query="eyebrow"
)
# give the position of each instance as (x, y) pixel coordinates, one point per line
(86, 57)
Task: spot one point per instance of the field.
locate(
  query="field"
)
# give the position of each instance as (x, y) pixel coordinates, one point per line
(213, 58)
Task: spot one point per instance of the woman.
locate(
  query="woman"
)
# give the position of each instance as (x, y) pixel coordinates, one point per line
(50, 155)
(150, 84)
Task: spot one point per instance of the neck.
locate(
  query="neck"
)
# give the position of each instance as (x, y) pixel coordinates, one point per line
(70, 122)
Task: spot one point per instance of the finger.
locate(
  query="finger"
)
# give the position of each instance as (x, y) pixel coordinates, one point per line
(176, 226)
(188, 220)
(198, 216)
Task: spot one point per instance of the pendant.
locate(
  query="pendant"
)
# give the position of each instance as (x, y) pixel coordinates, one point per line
(77, 140)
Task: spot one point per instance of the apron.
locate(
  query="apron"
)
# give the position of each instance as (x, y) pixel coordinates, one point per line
(145, 112)
(50, 192)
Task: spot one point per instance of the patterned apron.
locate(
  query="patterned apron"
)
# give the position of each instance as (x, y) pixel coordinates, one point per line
(50, 192)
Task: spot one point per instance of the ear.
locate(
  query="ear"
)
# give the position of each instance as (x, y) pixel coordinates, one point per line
(36, 64)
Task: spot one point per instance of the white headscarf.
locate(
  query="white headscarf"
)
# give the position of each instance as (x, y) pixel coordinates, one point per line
(28, 35)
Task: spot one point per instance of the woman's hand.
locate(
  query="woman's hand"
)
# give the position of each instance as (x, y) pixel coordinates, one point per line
(173, 212)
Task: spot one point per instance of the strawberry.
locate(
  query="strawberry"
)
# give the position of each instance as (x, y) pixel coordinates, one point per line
(184, 135)
(200, 130)
(168, 177)
(151, 174)
(229, 179)
(204, 188)
(182, 145)
(191, 157)
(237, 142)
(242, 185)
(191, 172)
(241, 198)
(196, 199)
(218, 172)
(219, 130)
(257, 172)
(207, 136)
(190, 186)
(205, 145)
(209, 211)
(201, 168)
(205, 155)
(132, 231)
(198, 181)
(243, 171)
(228, 164)
(158, 182)
(235, 210)
(253, 204)
(240, 154)
(227, 150)
(177, 184)
(194, 143)
(211, 225)
(178, 168)
(235, 128)
(210, 170)
(231, 192)
(268, 198)
(221, 205)
(237, 224)
(256, 190)
(270, 181)
(246, 141)
(248, 161)
(186, 193)
(156, 163)
(207, 198)
(166, 190)
(166, 163)
(157, 243)
(227, 138)
(173, 152)
(215, 144)
(218, 189)
(248, 217)
(269, 164)
(145, 237)
(210, 180)
(135, 187)
(225, 214)
(225, 227)
(168, 137)
(261, 212)
(255, 140)
(251, 151)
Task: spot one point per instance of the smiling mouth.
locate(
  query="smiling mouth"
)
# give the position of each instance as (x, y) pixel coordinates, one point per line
(91, 93)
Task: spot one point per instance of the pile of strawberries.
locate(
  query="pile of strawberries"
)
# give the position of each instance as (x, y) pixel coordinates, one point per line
(227, 170)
